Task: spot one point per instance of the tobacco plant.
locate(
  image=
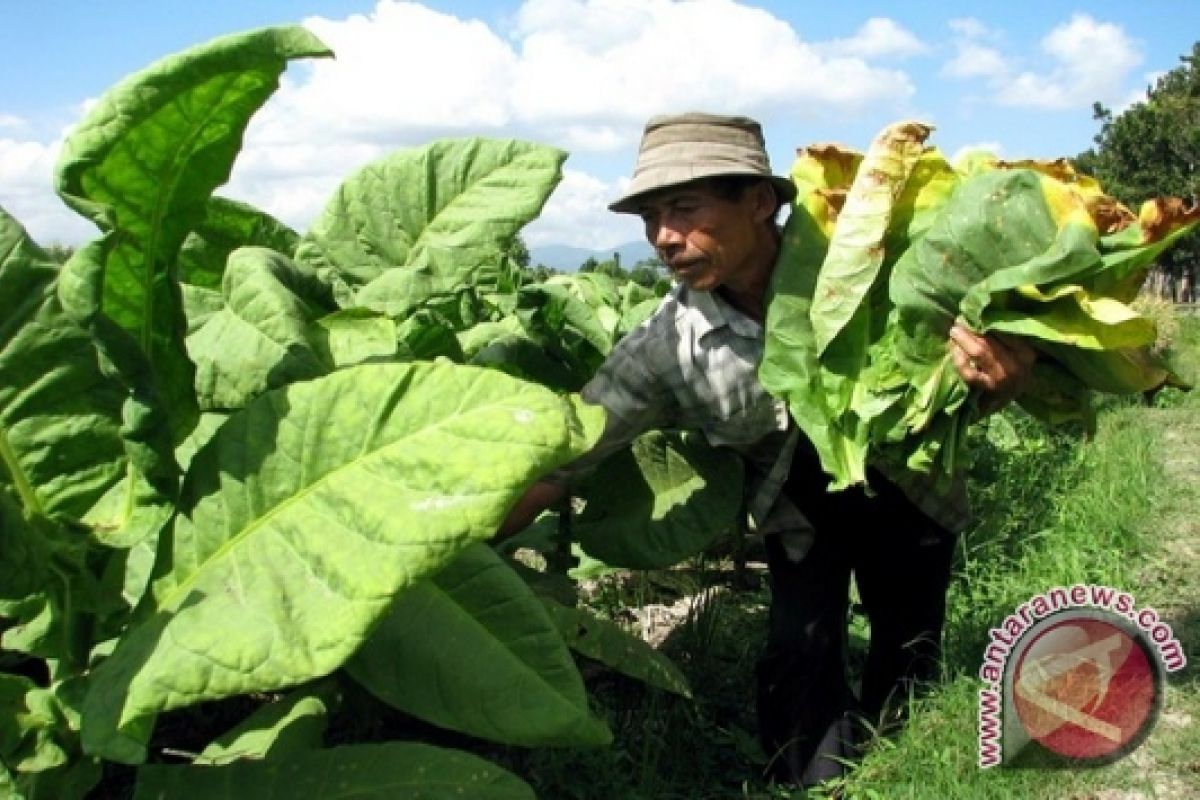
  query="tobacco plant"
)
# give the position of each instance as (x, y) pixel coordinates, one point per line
(237, 461)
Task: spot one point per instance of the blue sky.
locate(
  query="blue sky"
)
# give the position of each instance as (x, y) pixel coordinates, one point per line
(1018, 78)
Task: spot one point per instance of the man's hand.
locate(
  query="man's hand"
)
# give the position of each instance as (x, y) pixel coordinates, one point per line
(999, 368)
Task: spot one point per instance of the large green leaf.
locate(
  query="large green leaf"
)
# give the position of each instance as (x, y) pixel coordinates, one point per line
(142, 165)
(228, 225)
(442, 211)
(388, 771)
(352, 336)
(60, 416)
(199, 304)
(261, 339)
(474, 650)
(307, 512)
(45, 587)
(77, 441)
(616, 648)
(665, 498)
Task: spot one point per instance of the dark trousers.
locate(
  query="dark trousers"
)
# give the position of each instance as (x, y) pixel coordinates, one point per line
(809, 717)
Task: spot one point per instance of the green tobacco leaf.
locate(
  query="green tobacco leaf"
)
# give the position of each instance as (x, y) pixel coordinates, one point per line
(307, 512)
(138, 505)
(30, 728)
(479, 336)
(388, 771)
(43, 459)
(142, 165)
(520, 355)
(473, 650)
(568, 330)
(616, 648)
(636, 314)
(68, 430)
(396, 293)
(1055, 396)
(654, 504)
(1123, 370)
(74, 780)
(287, 726)
(790, 367)
(442, 211)
(427, 335)
(45, 588)
(226, 226)
(353, 336)
(200, 304)
(553, 313)
(1072, 315)
(39, 743)
(260, 339)
(1129, 253)
(206, 427)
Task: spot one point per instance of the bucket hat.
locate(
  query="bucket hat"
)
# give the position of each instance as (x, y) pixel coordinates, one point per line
(679, 148)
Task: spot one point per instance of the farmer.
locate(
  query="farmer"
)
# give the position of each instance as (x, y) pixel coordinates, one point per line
(704, 189)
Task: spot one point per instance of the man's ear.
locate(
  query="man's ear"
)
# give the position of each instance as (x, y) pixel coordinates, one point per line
(765, 202)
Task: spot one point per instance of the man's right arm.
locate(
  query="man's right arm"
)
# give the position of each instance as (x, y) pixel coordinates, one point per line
(537, 498)
(635, 400)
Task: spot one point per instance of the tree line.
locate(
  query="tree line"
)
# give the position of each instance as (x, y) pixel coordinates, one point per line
(1152, 149)
(648, 272)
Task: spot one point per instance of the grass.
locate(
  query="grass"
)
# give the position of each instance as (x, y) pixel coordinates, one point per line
(1053, 510)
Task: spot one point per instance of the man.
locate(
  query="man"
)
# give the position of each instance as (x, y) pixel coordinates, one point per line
(705, 191)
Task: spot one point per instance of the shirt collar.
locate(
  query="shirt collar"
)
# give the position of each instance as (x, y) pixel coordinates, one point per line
(716, 312)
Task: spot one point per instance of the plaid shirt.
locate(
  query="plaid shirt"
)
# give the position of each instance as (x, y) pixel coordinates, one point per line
(694, 365)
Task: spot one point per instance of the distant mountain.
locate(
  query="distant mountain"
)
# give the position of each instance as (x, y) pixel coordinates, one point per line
(567, 258)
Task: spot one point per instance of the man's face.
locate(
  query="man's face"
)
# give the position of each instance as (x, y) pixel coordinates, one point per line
(705, 240)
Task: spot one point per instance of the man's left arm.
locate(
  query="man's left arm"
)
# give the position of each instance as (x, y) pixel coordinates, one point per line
(999, 366)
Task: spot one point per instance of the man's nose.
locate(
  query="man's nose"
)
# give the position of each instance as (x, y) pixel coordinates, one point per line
(667, 236)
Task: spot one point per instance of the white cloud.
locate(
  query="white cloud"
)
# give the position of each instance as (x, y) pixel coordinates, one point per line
(25, 175)
(972, 57)
(969, 27)
(879, 37)
(579, 74)
(1092, 61)
(974, 60)
(1088, 61)
(577, 198)
(620, 61)
(12, 121)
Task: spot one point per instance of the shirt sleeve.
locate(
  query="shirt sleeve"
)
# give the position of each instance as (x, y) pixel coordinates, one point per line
(632, 389)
